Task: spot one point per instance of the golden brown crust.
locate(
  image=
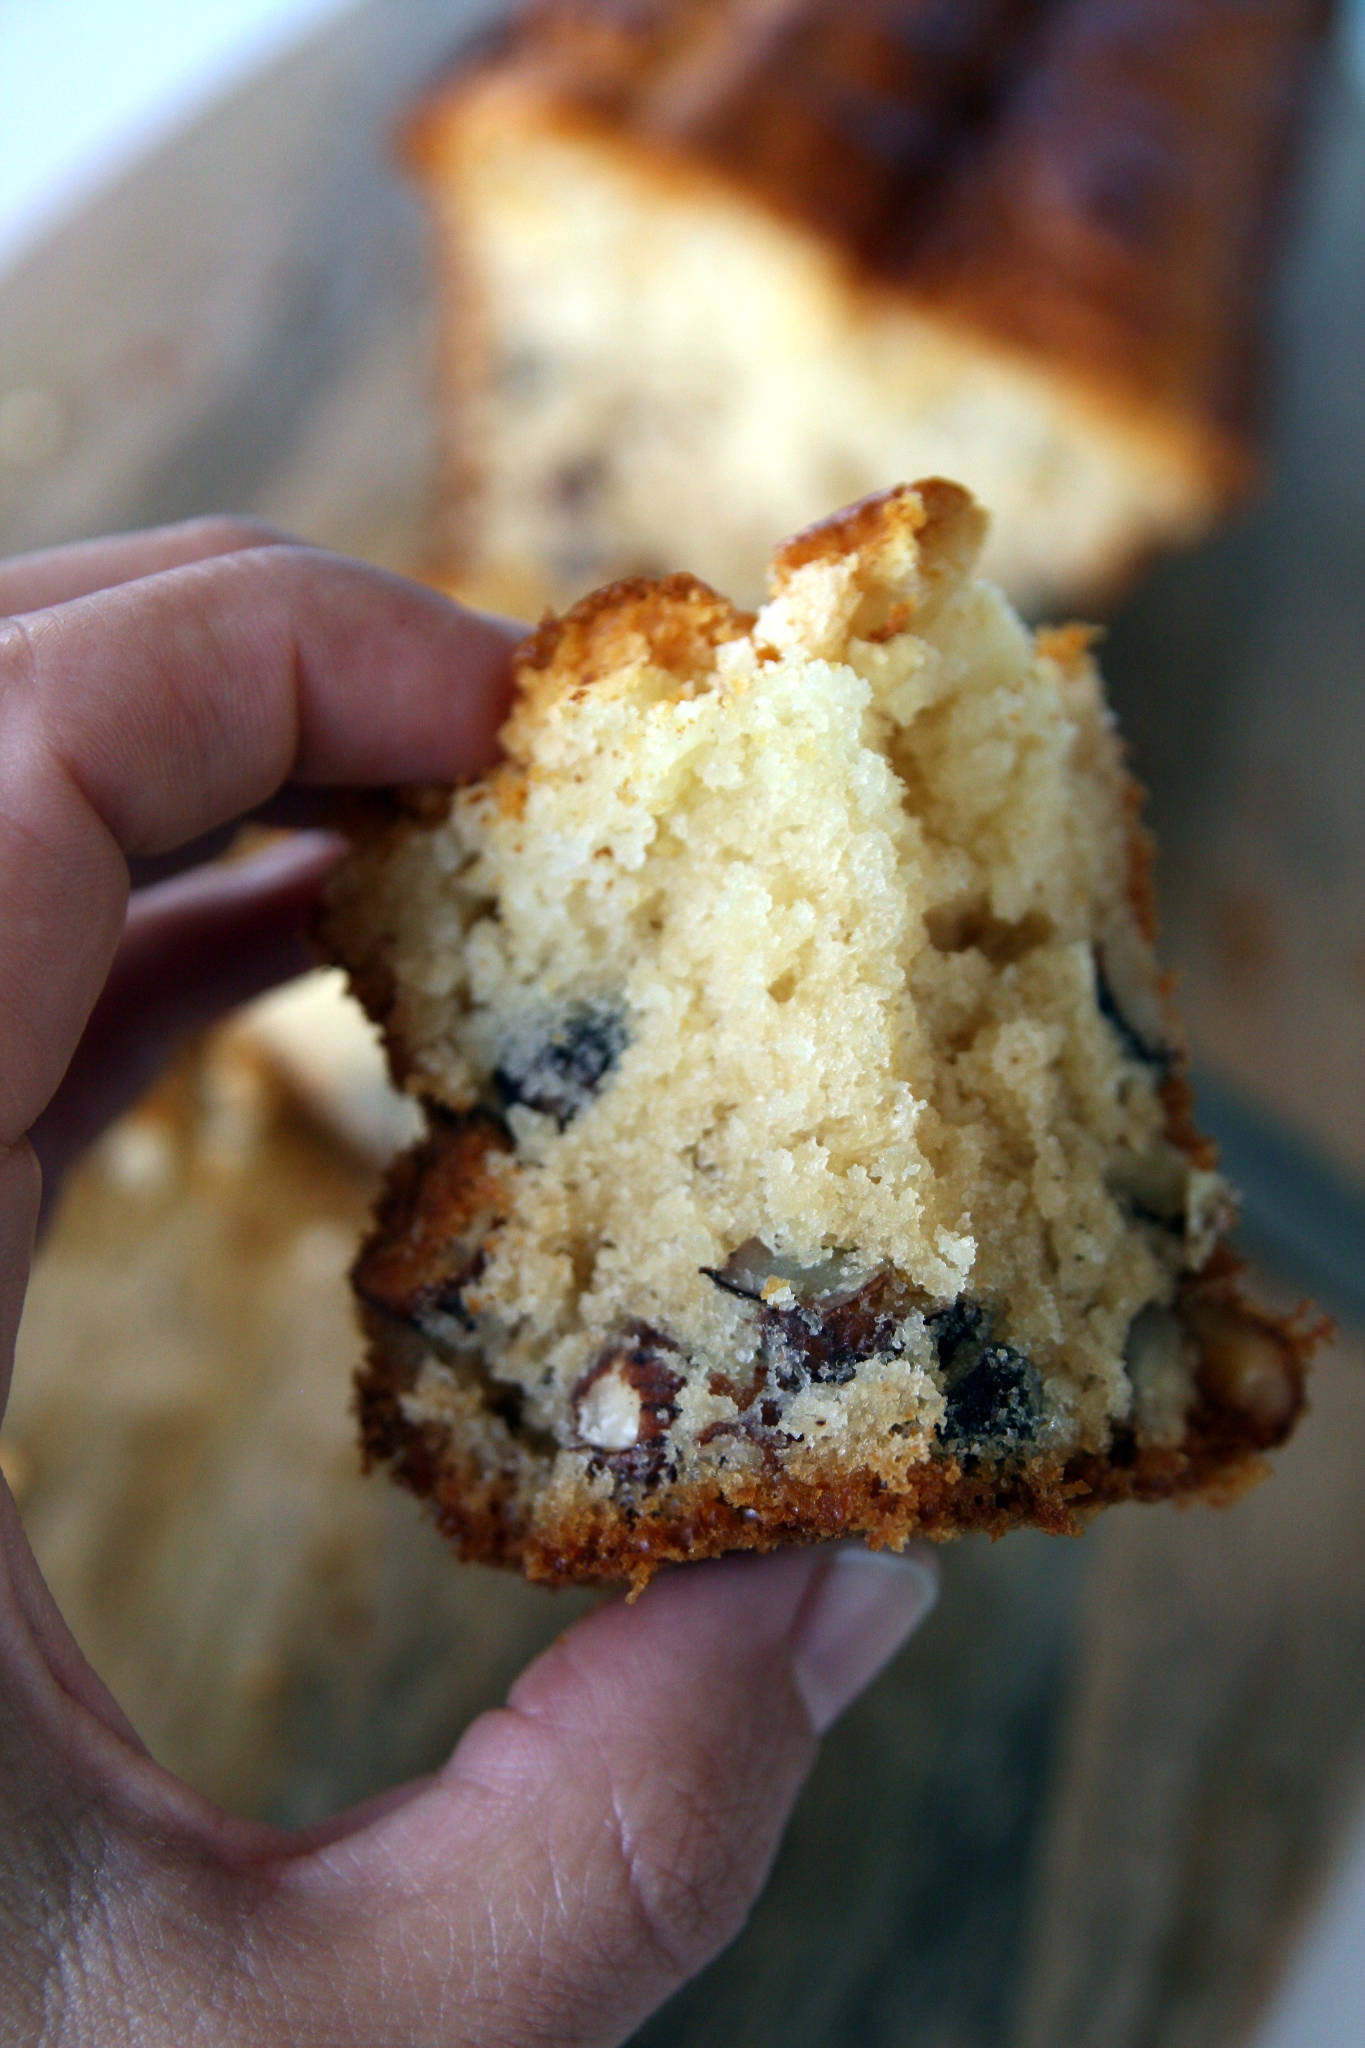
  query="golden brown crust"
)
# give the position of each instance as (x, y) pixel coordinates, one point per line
(676, 622)
(941, 519)
(433, 1220)
(1139, 172)
(1095, 183)
(1251, 1382)
(425, 1248)
(678, 618)
(374, 821)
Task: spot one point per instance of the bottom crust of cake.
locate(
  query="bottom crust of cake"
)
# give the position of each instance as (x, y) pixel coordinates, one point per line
(1251, 1394)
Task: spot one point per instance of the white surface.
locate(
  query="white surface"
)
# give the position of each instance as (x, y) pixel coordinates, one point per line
(89, 85)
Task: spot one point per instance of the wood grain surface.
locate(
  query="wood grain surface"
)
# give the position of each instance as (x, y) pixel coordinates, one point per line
(1092, 1802)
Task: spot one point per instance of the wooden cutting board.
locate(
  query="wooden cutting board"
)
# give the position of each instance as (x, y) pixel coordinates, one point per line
(1089, 1806)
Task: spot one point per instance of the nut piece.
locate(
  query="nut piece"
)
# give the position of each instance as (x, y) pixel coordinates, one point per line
(609, 1412)
(625, 1402)
(1249, 1367)
(816, 1324)
(825, 1342)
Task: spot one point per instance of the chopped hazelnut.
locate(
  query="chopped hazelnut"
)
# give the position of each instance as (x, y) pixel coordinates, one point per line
(609, 1414)
(626, 1402)
(1248, 1368)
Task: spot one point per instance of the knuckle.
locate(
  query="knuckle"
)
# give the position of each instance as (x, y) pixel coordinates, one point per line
(227, 533)
(18, 656)
(22, 665)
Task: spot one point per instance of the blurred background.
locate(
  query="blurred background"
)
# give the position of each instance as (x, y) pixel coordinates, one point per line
(1110, 1798)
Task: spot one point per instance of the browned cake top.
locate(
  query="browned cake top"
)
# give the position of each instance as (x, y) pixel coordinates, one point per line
(1094, 179)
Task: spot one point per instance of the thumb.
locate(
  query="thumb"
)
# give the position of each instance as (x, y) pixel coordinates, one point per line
(591, 1845)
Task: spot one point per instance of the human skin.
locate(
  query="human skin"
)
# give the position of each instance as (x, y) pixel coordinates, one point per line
(589, 1845)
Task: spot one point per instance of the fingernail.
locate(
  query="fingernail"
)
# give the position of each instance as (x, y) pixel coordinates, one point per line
(307, 847)
(863, 1605)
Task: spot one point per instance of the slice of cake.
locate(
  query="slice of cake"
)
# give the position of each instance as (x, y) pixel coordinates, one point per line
(808, 1150)
(712, 270)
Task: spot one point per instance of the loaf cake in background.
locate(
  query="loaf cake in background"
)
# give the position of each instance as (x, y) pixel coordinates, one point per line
(714, 267)
(808, 1150)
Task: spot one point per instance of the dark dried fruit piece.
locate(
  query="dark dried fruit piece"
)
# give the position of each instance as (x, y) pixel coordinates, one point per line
(831, 1329)
(560, 1074)
(823, 1343)
(954, 1326)
(992, 1408)
(993, 1393)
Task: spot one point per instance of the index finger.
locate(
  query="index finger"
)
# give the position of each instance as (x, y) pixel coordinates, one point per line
(51, 576)
(139, 717)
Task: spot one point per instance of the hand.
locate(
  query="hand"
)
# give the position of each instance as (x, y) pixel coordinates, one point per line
(593, 1843)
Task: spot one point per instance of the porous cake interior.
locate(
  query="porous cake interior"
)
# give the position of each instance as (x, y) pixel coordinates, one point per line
(651, 370)
(799, 1040)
